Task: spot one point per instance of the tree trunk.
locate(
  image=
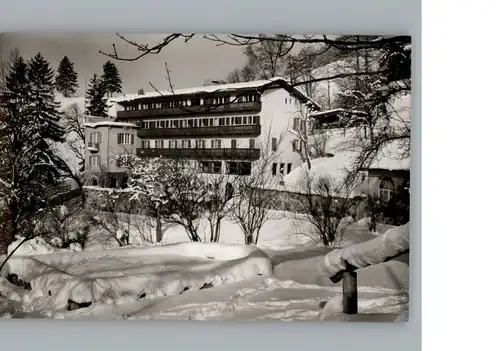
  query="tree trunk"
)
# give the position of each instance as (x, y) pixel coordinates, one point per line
(158, 228)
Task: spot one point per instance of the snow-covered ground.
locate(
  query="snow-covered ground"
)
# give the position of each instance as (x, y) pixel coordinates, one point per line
(277, 280)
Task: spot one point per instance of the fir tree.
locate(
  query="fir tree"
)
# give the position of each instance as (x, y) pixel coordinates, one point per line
(111, 78)
(67, 78)
(96, 102)
(29, 169)
(44, 108)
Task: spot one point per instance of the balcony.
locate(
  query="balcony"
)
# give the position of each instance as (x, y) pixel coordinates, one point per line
(213, 132)
(205, 154)
(192, 110)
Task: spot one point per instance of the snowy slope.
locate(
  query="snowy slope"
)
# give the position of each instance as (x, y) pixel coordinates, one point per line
(121, 275)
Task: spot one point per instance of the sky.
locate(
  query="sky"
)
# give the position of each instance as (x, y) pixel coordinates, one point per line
(190, 64)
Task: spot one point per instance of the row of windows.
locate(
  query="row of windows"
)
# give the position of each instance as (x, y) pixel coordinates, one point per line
(232, 168)
(122, 138)
(201, 122)
(189, 143)
(217, 100)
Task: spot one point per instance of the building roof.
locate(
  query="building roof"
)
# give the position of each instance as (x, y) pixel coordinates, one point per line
(110, 123)
(230, 87)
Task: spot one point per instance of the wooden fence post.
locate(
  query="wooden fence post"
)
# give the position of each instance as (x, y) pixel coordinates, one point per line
(350, 291)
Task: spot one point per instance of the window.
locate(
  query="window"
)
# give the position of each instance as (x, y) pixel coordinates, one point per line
(162, 124)
(188, 143)
(190, 123)
(94, 160)
(297, 145)
(296, 123)
(245, 168)
(217, 167)
(200, 144)
(251, 144)
(232, 168)
(176, 124)
(227, 121)
(274, 144)
(289, 168)
(205, 166)
(221, 121)
(232, 120)
(275, 166)
(386, 189)
(233, 144)
(95, 138)
(211, 122)
(215, 143)
(282, 168)
(237, 120)
(125, 138)
(245, 120)
(159, 144)
(205, 122)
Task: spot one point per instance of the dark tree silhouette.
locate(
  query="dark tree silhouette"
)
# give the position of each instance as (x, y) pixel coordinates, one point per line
(111, 78)
(66, 78)
(96, 97)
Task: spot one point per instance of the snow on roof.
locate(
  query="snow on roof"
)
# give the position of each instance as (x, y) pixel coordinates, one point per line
(391, 158)
(218, 88)
(336, 168)
(110, 124)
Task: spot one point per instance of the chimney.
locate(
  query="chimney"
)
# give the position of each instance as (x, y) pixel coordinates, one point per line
(140, 92)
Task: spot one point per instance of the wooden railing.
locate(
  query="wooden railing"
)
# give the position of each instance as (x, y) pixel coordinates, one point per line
(214, 132)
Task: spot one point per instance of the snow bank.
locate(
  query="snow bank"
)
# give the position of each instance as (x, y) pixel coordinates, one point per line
(124, 275)
(388, 245)
(36, 246)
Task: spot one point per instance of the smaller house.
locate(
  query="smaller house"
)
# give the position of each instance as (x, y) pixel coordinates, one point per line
(105, 140)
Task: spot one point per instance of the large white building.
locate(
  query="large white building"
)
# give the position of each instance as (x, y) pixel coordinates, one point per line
(224, 127)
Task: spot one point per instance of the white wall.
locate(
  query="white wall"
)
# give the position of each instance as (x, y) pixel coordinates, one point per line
(277, 118)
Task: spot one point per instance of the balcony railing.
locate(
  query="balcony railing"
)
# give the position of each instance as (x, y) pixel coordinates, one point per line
(220, 131)
(191, 110)
(206, 154)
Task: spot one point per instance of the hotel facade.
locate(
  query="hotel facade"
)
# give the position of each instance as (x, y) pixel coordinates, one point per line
(225, 128)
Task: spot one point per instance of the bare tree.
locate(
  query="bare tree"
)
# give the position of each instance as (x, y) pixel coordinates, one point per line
(108, 213)
(325, 204)
(73, 122)
(251, 210)
(65, 225)
(219, 202)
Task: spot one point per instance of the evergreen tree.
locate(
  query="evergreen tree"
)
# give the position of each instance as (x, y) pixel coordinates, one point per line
(111, 78)
(44, 108)
(67, 78)
(96, 102)
(29, 169)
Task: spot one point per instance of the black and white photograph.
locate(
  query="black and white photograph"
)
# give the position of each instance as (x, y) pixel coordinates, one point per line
(205, 176)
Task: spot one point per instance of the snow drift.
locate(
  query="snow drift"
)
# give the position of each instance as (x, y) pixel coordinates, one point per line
(124, 275)
(392, 243)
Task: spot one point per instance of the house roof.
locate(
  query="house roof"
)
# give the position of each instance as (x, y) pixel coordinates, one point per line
(230, 87)
(110, 124)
